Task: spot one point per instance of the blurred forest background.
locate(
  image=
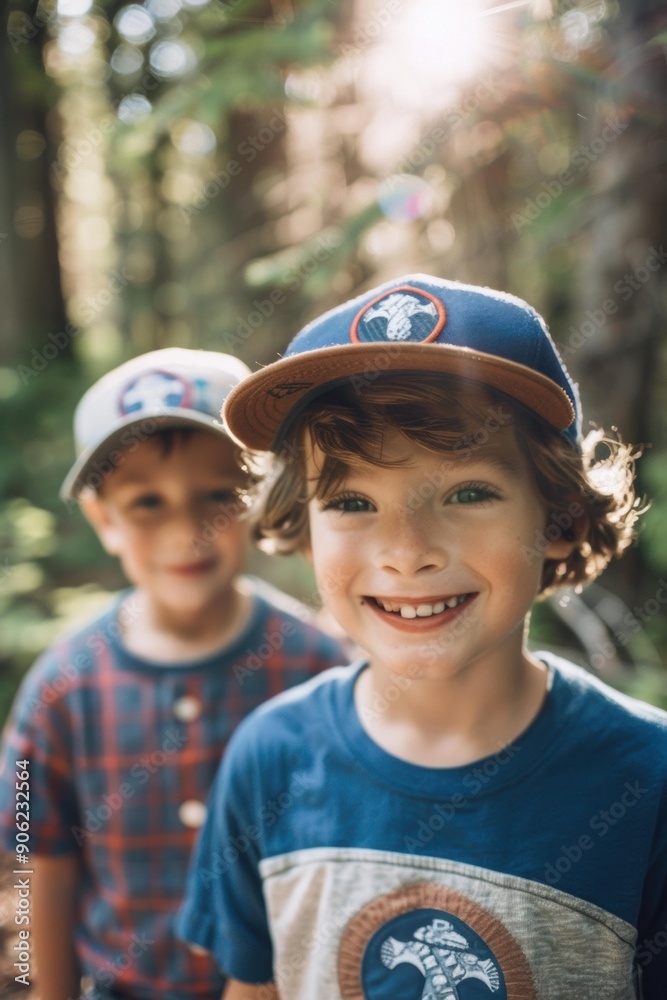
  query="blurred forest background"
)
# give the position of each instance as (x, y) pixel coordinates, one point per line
(166, 165)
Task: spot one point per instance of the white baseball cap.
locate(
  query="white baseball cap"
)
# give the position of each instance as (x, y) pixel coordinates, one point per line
(174, 387)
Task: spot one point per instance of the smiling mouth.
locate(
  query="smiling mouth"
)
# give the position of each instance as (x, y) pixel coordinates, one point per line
(193, 569)
(421, 609)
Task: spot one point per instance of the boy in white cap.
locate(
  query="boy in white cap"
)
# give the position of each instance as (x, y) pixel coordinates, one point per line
(117, 731)
(480, 820)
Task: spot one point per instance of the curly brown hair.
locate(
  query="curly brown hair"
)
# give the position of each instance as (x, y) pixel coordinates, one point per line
(589, 495)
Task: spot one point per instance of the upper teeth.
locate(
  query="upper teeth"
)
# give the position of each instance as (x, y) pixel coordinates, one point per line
(421, 610)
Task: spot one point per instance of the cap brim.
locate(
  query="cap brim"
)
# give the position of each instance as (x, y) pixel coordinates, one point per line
(94, 463)
(256, 409)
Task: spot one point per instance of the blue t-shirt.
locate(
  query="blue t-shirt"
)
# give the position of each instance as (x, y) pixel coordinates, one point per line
(341, 871)
(122, 752)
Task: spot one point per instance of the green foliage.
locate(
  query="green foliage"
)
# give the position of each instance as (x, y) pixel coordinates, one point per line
(200, 243)
(646, 684)
(654, 534)
(43, 544)
(640, 677)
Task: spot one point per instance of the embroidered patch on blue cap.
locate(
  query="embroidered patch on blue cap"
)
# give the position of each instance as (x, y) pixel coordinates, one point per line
(404, 315)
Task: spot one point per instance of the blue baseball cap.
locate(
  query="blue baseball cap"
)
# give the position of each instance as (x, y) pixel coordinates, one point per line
(415, 323)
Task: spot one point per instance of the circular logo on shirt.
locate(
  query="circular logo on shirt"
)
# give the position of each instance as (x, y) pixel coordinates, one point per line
(428, 942)
(402, 315)
(155, 391)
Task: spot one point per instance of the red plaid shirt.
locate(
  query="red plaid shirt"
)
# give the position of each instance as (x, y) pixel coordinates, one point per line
(122, 753)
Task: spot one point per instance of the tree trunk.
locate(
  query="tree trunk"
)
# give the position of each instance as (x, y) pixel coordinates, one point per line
(31, 299)
(620, 320)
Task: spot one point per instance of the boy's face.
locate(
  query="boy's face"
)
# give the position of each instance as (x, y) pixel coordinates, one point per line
(172, 520)
(432, 566)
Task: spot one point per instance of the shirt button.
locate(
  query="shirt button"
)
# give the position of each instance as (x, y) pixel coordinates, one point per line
(187, 708)
(192, 813)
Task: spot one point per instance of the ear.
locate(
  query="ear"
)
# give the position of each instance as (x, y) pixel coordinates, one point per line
(101, 520)
(561, 549)
(572, 525)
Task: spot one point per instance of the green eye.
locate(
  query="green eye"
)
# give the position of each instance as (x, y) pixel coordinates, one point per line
(473, 495)
(349, 505)
(354, 505)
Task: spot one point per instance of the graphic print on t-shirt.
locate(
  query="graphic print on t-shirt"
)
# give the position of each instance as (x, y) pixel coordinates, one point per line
(428, 942)
(361, 924)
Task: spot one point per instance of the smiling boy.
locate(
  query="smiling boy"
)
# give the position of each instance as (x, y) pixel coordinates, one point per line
(150, 513)
(426, 453)
(123, 724)
(411, 576)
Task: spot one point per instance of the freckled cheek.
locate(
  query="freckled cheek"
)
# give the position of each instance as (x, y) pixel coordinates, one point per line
(335, 563)
(504, 547)
(329, 553)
